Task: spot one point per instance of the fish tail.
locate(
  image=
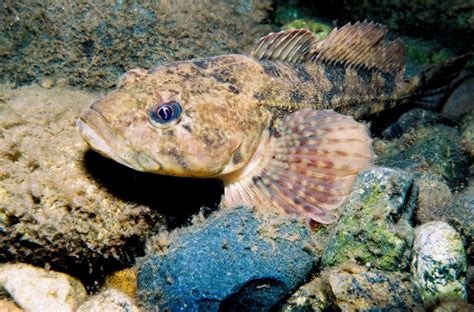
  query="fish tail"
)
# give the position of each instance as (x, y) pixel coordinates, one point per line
(433, 86)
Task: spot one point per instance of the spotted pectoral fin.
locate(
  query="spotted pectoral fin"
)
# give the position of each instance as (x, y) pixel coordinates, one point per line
(361, 45)
(306, 167)
(292, 46)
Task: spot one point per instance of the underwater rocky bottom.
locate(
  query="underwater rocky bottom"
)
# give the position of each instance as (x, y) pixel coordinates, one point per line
(130, 241)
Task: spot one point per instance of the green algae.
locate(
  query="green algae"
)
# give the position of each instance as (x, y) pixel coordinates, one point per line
(374, 229)
(321, 30)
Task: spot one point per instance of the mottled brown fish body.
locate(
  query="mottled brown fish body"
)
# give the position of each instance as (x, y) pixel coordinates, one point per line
(264, 124)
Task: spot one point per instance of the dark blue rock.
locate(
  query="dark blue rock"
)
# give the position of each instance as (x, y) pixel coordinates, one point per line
(235, 260)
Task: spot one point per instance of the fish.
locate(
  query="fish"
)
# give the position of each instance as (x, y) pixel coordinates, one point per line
(282, 127)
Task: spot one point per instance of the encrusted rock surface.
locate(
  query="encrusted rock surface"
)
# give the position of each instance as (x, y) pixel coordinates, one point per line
(434, 200)
(35, 289)
(235, 260)
(434, 150)
(90, 44)
(109, 300)
(439, 263)
(358, 289)
(467, 128)
(374, 228)
(460, 102)
(53, 210)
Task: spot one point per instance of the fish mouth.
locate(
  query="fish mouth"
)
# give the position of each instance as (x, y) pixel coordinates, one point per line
(95, 130)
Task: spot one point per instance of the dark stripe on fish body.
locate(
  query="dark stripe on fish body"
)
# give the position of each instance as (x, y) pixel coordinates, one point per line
(336, 75)
(178, 157)
(270, 68)
(364, 75)
(188, 128)
(296, 96)
(389, 83)
(201, 63)
(301, 73)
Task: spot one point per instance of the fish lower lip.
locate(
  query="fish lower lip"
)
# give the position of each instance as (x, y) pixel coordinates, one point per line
(101, 138)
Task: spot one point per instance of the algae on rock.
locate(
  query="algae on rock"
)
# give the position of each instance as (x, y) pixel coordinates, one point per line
(91, 43)
(374, 229)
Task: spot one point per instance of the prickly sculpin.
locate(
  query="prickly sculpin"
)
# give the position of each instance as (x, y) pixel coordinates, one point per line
(265, 124)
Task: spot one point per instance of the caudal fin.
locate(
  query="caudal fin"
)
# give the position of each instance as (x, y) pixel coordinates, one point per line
(434, 85)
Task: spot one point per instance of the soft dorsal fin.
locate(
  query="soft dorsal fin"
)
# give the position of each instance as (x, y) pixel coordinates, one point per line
(291, 46)
(361, 45)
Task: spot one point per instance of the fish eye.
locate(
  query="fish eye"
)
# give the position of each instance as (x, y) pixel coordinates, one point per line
(165, 114)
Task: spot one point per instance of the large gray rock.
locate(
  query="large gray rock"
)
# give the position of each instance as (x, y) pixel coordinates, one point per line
(235, 260)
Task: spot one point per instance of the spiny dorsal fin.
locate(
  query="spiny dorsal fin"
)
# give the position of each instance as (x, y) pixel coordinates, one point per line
(361, 45)
(307, 167)
(290, 46)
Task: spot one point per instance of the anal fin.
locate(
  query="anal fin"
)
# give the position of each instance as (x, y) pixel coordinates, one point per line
(306, 167)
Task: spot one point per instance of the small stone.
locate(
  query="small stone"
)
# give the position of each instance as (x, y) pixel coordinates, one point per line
(312, 296)
(46, 83)
(412, 119)
(62, 82)
(358, 289)
(460, 102)
(35, 289)
(109, 300)
(123, 280)
(237, 259)
(461, 216)
(467, 135)
(433, 201)
(439, 263)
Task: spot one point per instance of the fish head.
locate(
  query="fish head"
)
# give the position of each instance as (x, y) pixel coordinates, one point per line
(175, 120)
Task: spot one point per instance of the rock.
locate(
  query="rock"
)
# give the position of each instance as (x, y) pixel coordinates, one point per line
(432, 150)
(449, 22)
(46, 83)
(53, 208)
(35, 289)
(94, 43)
(461, 102)
(470, 282)
(461, 216)
(8, 306)
(439, 263)
(358, 289)
(109, 300)
(454, 306)
(412, 119)
(374, 228)
(467, 136)
(123, 280)
(434, 200)
(312, 296)
(235, 260)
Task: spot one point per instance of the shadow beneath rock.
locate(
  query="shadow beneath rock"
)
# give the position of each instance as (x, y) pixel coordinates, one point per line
(178, 199)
